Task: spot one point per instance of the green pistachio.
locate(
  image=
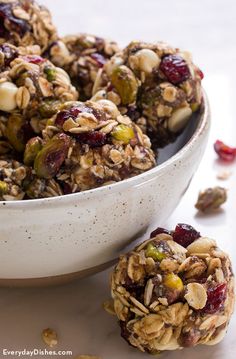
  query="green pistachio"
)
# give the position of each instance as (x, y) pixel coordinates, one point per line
(125, 83)
(16, 131)
(50, 73)
(154, 253)
(3, 187)
(173, 281)
(33, 146)
(50, 158)
(123, 133)
(194, 106)
(48, 108)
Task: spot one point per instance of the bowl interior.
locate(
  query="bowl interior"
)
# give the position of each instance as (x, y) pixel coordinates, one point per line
(170, 150)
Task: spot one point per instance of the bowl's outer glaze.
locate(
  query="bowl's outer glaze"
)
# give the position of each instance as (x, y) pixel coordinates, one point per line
(63, 235)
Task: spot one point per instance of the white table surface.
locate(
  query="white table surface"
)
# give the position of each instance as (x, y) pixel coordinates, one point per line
(208, 29)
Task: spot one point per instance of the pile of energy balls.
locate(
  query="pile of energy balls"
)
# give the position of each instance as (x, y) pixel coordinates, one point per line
(77, 112)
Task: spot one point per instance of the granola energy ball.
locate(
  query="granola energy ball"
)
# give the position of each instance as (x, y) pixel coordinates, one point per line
(24, 22)
(174, 290)
(87, 145)
(31, 90)
(158, 86)
(83, 57)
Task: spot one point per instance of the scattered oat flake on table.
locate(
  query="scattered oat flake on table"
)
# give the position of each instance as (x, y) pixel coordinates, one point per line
(211, 199)
(49, 337)
(223, 175)
(225, 153)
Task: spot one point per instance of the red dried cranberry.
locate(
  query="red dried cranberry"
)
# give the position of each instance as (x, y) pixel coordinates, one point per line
(184, 234)
(159, 230)
(93, 138)
(175, 68)
(100, 60)
(73, 112)
(110, 87)
(61, 117)
(34, 59)
(224, 152)
(216, 297)
(66, 188)
(201, 74)
(9, 54)
(18, 25)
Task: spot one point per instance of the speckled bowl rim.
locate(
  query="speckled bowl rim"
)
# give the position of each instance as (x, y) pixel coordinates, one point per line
(130, 182)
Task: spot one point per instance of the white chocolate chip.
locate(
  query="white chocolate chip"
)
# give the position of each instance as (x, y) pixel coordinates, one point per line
(109, 107)
(100, 95)
(201, 245)
(179, 119)
(145, 60)
(111, 65)
(196, 295)
(8, 92)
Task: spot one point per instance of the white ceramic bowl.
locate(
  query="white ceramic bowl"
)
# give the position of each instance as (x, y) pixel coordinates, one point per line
(54, 239)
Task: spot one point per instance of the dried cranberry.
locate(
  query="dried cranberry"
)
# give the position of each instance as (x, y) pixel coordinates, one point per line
(224, 152)
(92, 138)
(175, 68)
(9, 53)
(34, 59)
(73, 112)
(66, 188)
(184, 234)
(110, 87)
(18, 25)
(61, 117)
(216, 297)
(159, 230)
(100, 60)
(201, 74)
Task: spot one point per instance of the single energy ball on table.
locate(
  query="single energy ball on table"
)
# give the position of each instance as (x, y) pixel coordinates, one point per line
(31, 90)
(174, 290)
(158, 86)
(24, 22)
(83, 57)
(88, 145)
